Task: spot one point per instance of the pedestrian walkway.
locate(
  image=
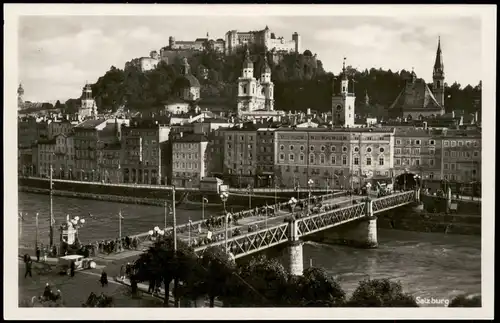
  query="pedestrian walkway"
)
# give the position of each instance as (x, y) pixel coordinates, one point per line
(161, 294)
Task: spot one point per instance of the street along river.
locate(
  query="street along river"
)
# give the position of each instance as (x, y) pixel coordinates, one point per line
(430, 265)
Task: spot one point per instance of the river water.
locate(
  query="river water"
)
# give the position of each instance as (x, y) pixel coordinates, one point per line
(429, 265)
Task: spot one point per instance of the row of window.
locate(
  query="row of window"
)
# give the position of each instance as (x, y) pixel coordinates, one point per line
(460, 143)
(412, 151)
(181, 146)
(430, 142)
(411, 162)
(186, 155)
(312, 158)
(186, 165)
(466, 154)
(453, 166)
(241, 138)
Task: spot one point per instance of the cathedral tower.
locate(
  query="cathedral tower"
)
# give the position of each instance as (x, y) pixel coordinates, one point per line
(20, 96)
(87, 107)
(247, 86)
(267, 85)
(438, 76)
(343, 103)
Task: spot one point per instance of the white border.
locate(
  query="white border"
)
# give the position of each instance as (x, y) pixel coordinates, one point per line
(13, 11)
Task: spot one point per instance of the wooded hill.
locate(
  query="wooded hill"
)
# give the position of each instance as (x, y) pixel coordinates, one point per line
(300, 83)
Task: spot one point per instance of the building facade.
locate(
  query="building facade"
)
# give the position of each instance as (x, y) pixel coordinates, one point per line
(142, 152)
(86, 142)
(240, 155)
(64, 156)
(461, 156)
(189, 160)
(46, 157)
(332, 158)
(265, 157)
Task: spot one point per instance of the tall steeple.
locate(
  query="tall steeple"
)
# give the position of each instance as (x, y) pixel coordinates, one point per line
(438, 76)
(185, 66)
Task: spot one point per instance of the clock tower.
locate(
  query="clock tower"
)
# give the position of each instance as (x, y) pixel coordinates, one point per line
(343, 103)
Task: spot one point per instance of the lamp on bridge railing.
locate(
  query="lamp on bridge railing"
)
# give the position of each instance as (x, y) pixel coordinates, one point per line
(310, 183)
(292, 202)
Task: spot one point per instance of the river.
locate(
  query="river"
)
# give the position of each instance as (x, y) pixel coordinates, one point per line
(427, 264)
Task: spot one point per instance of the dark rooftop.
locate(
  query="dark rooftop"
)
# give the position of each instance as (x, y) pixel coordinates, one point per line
(90, 124)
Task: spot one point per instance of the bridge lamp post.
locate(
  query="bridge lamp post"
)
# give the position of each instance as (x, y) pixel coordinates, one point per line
(249, 190)
(77, 223)
(310, 183)
(224, 196)
(292, 202)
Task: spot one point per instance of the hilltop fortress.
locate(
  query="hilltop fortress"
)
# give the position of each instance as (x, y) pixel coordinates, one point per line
(233, 40)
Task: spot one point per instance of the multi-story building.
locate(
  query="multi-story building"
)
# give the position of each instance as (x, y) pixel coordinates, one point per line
(64, 156)
(86, 142)
(56, 127)
(143, 152)
(265, 157)
(418, 151)
(27, 132)
(240, 154)
(110, 162)
(46, 157)
(461, 156)
(265, 38)
(332, 158)
(189, 160)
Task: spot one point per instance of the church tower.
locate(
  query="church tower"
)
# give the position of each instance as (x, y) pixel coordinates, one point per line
(247, 84)
(267, 86)
(438, 76)
(20, 97)
(87, 107)
(343, 103)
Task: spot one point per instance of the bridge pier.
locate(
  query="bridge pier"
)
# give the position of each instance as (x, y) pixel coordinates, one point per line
(294, 251)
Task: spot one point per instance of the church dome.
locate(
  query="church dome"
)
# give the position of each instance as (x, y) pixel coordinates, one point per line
(307, 52)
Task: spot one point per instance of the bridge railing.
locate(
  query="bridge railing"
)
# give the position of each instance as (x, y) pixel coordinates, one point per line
(325, 220)
(392, 201)
(252, 242)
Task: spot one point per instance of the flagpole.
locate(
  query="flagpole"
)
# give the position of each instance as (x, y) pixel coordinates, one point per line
(165, 206)
(120, 227)
(36, 234)
(51, 232)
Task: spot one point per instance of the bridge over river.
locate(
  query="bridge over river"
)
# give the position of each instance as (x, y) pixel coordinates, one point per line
(284, 228)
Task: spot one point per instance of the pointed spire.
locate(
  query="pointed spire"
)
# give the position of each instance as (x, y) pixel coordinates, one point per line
(438, 64)
(344, 70)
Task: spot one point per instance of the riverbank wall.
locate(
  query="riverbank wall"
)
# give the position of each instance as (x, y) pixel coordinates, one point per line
(151, 194)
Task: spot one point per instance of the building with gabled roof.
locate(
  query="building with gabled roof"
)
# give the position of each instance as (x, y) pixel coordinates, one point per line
(417, 100)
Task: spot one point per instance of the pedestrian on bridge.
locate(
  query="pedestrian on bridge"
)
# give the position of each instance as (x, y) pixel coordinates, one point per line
(37, 254)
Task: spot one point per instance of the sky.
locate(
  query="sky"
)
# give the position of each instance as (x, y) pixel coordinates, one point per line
(58, 54)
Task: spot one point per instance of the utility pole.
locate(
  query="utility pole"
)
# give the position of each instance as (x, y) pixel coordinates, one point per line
(165, 207)
(36, 234)
(175, 220)
(51, 232)
(249, 197)
(120, 227)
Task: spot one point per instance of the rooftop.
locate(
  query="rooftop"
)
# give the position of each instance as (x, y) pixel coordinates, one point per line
(192, 137)
(359, 130)
(90, 124)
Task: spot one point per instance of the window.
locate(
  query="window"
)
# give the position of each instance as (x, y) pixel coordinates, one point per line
(417, 142)
(282, 157)
(445, 165)
(356, 160)
(460, 143)
(452, 166)
(453, 143)
(381, 161)
(416, 151)
(369, 150)
(431, 175)
(322, 159)
(408, 142)
(344, 160)
(398, 151)
(476, 153)
(368, 161)
(332, 149)
(302, 148)
(467, 143)
(398, 161)
(417, 162)
(381, 149)
(311, 148)
(291, 157)
(323, 148)
(453, 153)
(282, 147)
(446, 153)
(398, 142)
(445, 143)
(301, 157)
(432, 151)
(311, 158)
(290, 148)
(356, 149)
